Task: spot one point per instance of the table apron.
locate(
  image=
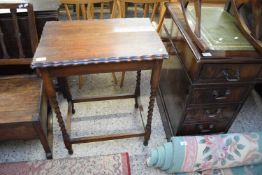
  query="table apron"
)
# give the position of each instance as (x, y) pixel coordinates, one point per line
(99, 68)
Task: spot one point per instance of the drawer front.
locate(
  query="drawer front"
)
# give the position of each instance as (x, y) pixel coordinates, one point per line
(203, 128)
(229, 72)
(210, 114)
(230, 94)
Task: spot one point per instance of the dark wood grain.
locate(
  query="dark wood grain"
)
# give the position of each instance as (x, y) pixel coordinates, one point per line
(99, 46)
(203, 94)
(119, 42)
(106, 137)
(23, 110)
(23, 106)
(9, 89)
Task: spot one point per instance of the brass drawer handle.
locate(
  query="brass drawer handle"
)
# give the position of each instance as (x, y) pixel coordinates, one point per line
(214, 114)
(210, 127)
(231, 75)
(218, 95)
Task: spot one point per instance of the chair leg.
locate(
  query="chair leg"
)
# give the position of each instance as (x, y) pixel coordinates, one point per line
(122, 79)
(161, 17)
(81, 81)
(114, 77)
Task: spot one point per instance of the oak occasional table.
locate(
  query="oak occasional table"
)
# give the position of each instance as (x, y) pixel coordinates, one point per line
(98, 46)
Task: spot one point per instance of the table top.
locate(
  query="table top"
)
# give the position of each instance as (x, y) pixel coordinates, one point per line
(65, 43)
(39, 5)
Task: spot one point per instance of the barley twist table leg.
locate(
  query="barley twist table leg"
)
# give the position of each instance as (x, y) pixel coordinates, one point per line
(155, 77)
(137, 91)
(66, 90)
(61, 123)
(149, 116)
(51, 94)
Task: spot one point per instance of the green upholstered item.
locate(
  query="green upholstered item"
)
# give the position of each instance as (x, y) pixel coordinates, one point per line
(219, 29)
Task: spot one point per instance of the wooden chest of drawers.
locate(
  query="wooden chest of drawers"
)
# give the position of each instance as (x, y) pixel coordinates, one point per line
(202, 93)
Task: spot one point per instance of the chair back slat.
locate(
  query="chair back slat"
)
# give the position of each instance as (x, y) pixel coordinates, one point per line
(257, 17)
(17, 34)
(154, 11)
(67, 12)
(194, 30)
(146, 8)
(85, 9)
(2, 42)
(145, 4)
(252, 29)
(135, 10)
(78, 11)
(197, 5)
(102, 10)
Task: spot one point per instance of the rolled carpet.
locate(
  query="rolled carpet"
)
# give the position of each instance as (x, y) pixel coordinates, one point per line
(209, 152)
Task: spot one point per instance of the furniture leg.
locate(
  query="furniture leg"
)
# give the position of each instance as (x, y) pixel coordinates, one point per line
(63, 83)
(51, 94)
(155, 77)
(114, 77)
(161, 17)
(122, 79)
(60, 87)
(43, 139)
(81, 81)
(137, 91)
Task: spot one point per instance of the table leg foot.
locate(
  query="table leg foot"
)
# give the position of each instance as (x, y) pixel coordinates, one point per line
(73, 110)
(49, 156)
(61, 123)
(70, 152)
(145, 142)
(149, 116)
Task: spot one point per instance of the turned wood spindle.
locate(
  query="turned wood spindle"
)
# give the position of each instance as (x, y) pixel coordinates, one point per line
(137, 91)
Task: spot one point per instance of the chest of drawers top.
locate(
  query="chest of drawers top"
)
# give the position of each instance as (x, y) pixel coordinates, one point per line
(225, 42)
(230, 57)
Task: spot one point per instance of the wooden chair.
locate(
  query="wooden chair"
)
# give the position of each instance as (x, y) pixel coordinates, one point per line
(194, 29)
(252, 33)
(146, 4)
(122, 5)
(251, 27)
(85, 9)
(23, 105)
(76, 4)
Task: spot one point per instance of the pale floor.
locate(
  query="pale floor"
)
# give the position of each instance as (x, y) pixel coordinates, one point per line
(112, 116)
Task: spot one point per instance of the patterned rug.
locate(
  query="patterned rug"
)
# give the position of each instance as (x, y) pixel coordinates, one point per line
(116, 164)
